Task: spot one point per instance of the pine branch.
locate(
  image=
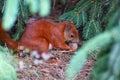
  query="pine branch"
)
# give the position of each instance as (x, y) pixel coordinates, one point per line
(80, 57)
(7, 71)
(91, 29)
(22, 18)
(86, 13)
(78, 14)
(10, 13)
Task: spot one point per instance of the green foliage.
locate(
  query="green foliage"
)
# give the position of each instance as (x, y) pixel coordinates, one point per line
(112, 17)
(91, 45)
(22, 18)
(111, 65)
(88, 14)
(44, 7)
(107, 45)
(78, 13)
(114, 62)
(108, 67)
(92, 28)
(7, 71)
(41, 6)
(10, 13)
(12, 7)
(33, 5)
(1, 7)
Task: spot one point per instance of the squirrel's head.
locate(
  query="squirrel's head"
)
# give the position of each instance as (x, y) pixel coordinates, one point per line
(71, 33)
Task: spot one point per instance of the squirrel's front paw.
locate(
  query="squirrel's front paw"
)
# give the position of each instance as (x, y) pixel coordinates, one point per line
(74, 46)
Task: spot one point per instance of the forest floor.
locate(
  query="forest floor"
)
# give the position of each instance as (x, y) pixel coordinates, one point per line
(27, 70)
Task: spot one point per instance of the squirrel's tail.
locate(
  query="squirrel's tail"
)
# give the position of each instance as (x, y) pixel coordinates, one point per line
(6, 38)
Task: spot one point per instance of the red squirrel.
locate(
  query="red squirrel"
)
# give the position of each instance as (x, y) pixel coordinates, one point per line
(40, 34)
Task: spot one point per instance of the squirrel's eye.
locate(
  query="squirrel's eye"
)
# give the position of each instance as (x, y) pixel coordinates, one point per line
(71, 35)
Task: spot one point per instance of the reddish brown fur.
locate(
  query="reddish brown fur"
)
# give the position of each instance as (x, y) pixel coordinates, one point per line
(6, 38)
(39, 34)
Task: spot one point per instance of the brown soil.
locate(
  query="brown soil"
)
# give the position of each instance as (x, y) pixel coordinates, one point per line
(53, 70)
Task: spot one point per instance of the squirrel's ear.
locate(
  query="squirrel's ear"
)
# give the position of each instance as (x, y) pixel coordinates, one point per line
(67, 28)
